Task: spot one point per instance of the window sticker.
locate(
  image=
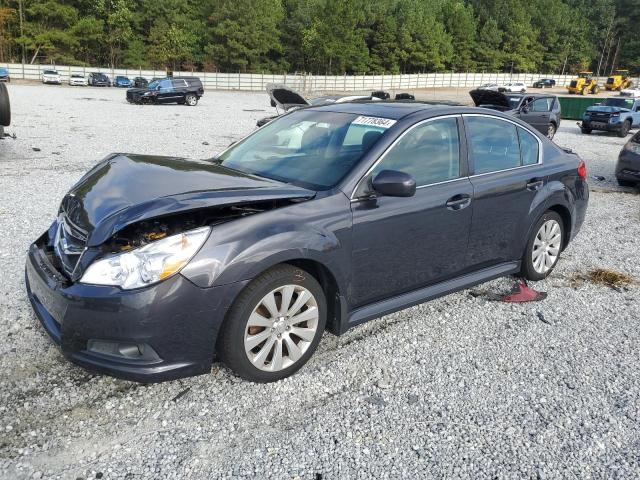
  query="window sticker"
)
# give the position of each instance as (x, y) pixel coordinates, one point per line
(374, 121)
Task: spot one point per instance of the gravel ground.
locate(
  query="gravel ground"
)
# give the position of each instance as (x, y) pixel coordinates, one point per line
(461, 387)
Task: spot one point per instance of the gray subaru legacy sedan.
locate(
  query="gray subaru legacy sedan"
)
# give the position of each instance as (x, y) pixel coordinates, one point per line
(325, 218)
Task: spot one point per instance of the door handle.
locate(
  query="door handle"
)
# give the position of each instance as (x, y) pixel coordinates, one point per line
(458, 202)
(535, 184)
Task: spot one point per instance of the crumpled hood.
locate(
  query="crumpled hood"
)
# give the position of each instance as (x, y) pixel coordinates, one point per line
(606, 109)
(124, 189)
(489, 97)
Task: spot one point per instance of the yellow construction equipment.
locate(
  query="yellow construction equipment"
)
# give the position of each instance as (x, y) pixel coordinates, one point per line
(619, 80)
(585, 83)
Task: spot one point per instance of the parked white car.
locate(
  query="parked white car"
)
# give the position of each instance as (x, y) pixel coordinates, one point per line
(489, 86)
(77, 79)
(515, 87)
(51, 76)
(631, 92)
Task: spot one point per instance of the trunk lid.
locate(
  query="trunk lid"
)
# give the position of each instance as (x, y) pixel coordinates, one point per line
(284, 97)
(490, 98)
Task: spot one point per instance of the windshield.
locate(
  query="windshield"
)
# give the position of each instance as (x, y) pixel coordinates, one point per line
(50, 72)
(154, 84)
(618, 102)
(307, 148)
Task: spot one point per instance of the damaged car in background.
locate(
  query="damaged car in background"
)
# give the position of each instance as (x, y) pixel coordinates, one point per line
(541, 111)
(323, 219)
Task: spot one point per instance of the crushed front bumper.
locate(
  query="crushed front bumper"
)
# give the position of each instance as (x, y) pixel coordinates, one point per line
(604, 126)
(153, 334)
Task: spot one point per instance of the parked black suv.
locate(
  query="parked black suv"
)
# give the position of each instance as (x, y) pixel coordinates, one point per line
(181, 90)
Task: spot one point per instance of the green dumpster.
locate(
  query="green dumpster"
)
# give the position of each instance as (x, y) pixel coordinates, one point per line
(573, 108)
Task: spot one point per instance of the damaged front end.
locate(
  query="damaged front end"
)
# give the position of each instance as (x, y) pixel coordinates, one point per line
(104, 278)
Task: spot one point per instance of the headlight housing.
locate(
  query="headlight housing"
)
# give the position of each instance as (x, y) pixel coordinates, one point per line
(149, 264)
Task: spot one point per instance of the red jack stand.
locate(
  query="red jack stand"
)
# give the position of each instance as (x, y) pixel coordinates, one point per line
(522, 293)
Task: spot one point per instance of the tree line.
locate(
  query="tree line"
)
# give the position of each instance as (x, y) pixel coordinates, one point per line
(325, 36)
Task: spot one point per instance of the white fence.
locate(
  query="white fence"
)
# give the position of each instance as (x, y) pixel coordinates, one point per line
(307, 82)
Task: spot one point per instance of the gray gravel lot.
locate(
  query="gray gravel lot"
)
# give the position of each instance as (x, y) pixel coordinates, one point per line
(461, 387)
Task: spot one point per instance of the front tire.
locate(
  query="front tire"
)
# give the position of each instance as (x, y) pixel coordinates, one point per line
(274, 326)
(543, 248)
(624, 129)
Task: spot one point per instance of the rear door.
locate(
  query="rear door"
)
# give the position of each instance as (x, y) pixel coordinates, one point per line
(506, 174)
(401, 244)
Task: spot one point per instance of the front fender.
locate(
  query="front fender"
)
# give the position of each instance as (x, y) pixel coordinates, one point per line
(317, 230)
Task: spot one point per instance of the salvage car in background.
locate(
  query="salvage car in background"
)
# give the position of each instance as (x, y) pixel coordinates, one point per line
(97, 79)
(77, 79)
(181, 90)
(614, 114)
(51, 76)
(4, 75)
(286, 99)
(325, 218)
(628, 164)
(122, 82)
(543, 112)
(513, 87)
(544, 83)
(140, 82)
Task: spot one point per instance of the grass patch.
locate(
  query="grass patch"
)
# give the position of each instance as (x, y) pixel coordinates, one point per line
(603, 276)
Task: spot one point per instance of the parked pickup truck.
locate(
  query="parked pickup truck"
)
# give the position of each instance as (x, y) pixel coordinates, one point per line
(615, 114)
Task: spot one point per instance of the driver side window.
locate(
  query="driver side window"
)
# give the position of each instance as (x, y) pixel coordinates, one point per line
(429, 152)
(542, 105)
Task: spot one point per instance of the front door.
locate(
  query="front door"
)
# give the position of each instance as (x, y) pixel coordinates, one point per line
(538, 113)
(506, 175)
(401, 244)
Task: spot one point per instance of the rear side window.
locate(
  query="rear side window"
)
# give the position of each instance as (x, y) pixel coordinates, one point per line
(429, 152)
(493, 144)
(529, 147)
(179, 83)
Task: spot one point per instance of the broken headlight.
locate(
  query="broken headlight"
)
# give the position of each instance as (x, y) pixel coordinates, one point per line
(149, 264)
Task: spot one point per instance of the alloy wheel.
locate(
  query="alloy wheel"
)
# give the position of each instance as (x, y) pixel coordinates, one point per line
(191, 100)
(281, 328)
(546, 246)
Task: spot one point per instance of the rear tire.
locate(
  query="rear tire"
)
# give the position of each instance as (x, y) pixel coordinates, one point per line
(595, 90)
(543, 249)
(627, 183)
(551, 131)
(585, 91)
(586, 131)
(191, 100)
(259, 320)
(5, 106)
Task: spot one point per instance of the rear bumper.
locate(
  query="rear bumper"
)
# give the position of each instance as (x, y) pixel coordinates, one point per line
(628, 166)
(170, 327)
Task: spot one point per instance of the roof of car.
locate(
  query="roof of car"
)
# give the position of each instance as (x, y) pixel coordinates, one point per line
(387, 109)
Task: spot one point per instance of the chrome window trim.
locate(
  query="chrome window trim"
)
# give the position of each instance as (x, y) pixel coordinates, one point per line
(528, 130)
(381, 157)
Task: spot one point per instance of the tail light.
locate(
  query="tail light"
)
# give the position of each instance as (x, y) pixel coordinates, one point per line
(582, 170)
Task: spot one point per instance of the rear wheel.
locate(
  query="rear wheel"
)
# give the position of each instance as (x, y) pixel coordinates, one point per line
(191, 100)
(585, 130)
(274, 326)
(626, 183)
(544, 246)
(585, 90)
(624, 129)
(595, 90)
(551, 131)
(5, 106)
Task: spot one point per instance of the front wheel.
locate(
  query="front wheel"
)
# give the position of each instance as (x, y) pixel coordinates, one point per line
(624, 129)
(544, 247)
(274, 326)
(191, 100)
(585, 130)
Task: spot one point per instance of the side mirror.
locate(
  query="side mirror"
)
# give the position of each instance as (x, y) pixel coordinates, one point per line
(524, 109)
(393, 183)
